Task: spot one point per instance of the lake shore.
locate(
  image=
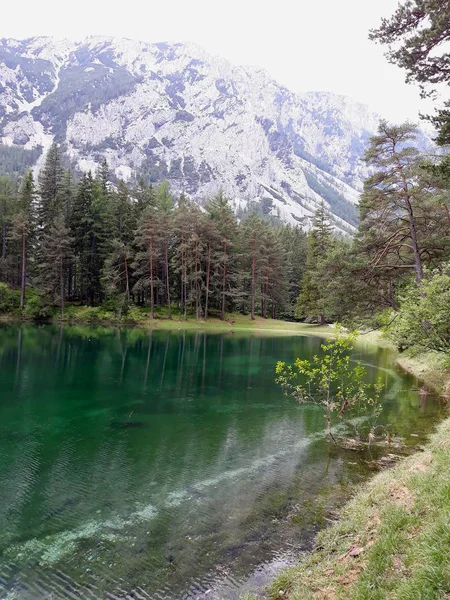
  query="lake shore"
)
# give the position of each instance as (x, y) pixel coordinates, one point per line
(392, 539)
(387, 533)
(233, 322)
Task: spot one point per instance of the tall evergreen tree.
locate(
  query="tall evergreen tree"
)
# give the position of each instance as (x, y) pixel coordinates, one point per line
(57, 251)
(181, 227)
(226, 225)
(417, 36)
(393, 208)
(24, 227)
(165, 205)
(148, 256)
(312, 298)
(116, 273)
(51, 187)
(7, 195)
(252, 243)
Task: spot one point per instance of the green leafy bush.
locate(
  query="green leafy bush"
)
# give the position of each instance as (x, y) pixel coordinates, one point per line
(37, 306)
(332, 383)
(9, 299)
(89, 315)
(424, 319)
(136, 314)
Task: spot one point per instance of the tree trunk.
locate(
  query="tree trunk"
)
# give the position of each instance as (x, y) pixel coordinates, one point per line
(412, 225)
(252, 308)
(208, 269)
(415, 245)
(265, 294)
(61, 284)
(3, 248)
(224, 280)
(152, 297)
(185, 283)
(24, 270)
(127, 281)
(197, 303)
(166, 258)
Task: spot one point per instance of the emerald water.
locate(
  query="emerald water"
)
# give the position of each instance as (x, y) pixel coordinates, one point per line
(167, 465)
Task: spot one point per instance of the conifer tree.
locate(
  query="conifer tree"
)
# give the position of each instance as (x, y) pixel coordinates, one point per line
(56, 252)
(147, 257)
(164, 204)
(125, 216)
(7, 194)
(145, 196)
(50, 187)
(116, 273)
(312, 298)
(417, 36)
(393, 208)
(195, 254)
(252, 242)
(225, 223)
(23, 229)
(181, 225)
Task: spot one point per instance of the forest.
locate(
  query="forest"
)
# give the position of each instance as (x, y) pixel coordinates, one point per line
(68, 240)
(87, 241)
(71, 239)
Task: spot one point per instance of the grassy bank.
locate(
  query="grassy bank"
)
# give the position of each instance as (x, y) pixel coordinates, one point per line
(137, 317)
(431, 367)
(392, 540)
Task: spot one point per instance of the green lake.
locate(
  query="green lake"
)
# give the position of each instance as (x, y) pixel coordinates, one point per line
(167, 465)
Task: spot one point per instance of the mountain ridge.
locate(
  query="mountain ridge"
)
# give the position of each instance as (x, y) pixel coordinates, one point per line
(174, 111)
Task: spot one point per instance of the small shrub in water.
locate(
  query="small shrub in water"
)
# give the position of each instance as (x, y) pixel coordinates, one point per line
(333, 384)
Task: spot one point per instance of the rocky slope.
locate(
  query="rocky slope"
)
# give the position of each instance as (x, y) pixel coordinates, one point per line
(175, 112)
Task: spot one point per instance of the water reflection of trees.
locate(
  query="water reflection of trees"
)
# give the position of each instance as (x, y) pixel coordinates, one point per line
(105, 423)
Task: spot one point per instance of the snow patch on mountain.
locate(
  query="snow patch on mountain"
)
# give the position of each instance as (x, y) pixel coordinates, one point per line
(173, 111)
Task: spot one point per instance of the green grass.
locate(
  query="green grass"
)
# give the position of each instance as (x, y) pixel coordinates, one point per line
(234, 322)
(238, 322)
(140, 317)
(432, 367)
(392, 540)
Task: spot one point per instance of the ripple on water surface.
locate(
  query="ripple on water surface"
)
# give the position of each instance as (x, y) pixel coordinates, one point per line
(159, 465)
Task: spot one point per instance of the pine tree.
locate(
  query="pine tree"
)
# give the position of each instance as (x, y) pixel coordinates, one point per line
(23, 228)
(145, 196)
(293, 241)
(226, 225)
(311, 301)
(393, 208)
(50, 187)
(7, 194)
(275, 275)
(125, 216)
(57, 251)
(116, 273)
(165, 205)
(181, 228)
(252, 242)
(195, 254)
(147, 257)
(80, 224)
(417, 36)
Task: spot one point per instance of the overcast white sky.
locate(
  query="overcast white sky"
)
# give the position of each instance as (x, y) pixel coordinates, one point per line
(305, 45)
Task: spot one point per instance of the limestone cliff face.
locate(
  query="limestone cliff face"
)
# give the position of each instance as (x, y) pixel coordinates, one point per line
(173, 111)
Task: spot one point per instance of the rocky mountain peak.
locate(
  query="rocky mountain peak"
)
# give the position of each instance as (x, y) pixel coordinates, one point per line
(171, 110)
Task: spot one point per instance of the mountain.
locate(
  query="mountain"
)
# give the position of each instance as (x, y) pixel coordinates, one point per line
(173, 111)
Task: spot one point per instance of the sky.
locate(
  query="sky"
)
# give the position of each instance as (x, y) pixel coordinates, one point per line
(314, 45)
